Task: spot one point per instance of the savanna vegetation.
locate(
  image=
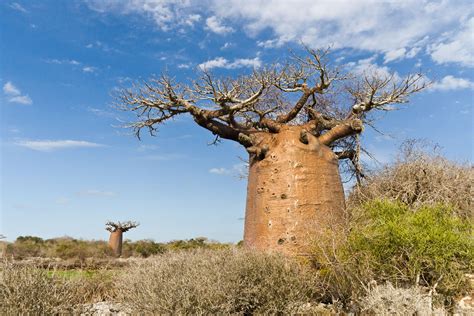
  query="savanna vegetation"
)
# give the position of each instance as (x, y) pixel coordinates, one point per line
(406, 248)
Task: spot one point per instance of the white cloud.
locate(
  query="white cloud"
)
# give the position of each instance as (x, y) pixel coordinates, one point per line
(218, 62)
(52, 145)
(221, 62)
(63, 61)
(457, 47)
(14, 94)
(219, 171)
(89, 69)
(270, 43)
(395, 29)
(96, 193)
(368, 66)
(395, 54)
(192, 19)
(167, 14)
(10, 89)
(452, 83)
(147, 147)
(239, 170)
(18, 7)
(215, 25)
(378, 26)
(21, 99)
(184, 66)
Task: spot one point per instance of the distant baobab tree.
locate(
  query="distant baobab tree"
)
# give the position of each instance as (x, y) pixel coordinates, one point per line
(116, 234)
(298, 123)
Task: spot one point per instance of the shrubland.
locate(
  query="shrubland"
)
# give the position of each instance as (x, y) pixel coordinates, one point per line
(71, 248)
(406, 248)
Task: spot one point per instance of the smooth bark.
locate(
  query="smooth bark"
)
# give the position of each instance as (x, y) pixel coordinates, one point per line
(293, 193)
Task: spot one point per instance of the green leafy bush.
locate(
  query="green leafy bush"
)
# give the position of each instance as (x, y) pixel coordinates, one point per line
(389, 241)
(426, 246)
(142, 248)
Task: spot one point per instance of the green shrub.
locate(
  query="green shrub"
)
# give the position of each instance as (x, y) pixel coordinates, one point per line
(389, 241)
(224, 281)
(142, 248)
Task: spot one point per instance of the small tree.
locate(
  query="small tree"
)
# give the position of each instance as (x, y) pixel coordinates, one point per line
(116, 234)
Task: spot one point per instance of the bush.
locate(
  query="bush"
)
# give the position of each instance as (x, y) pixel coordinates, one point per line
(389, 241)
(216, 281)
(420, 177)
(142, 248)
(389, 300)
(28, 290)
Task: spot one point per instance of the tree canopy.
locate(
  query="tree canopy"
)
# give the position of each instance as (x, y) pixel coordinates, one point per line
(325, 102)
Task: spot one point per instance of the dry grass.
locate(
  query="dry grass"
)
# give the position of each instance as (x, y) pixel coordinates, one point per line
(420, 176)
(225, 281)
(30, 290)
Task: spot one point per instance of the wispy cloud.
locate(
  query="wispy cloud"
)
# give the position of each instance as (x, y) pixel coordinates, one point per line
(369, 66)
(72, 62)
(184, 66)
(63, 61)
(53, 145)
(166, 14)
(239, 170)
(89, 69)
(14, 95)
(103, 46)
(102, 113)
(143, 147)
(18, 7)
(221, 62)
(215, 25)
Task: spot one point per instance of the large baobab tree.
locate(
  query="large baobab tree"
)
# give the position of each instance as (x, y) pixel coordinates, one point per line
(296, 121)
(116, 234)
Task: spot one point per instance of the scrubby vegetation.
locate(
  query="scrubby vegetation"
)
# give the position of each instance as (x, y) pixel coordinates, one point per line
(420, 176)
(70, 248)
(387, 241)
(29, 290)
(407, 247)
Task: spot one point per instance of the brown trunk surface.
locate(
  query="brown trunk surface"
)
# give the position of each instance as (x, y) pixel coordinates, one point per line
(293, 194)
(115, 242)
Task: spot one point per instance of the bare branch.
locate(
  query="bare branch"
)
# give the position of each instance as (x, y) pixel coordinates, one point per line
(376, 92)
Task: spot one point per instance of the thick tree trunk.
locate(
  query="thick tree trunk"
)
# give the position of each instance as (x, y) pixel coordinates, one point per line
(115, 242)
(293, 194)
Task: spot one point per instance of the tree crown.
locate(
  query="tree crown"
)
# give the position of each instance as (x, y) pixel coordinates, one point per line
(306, 92)
(122, 226)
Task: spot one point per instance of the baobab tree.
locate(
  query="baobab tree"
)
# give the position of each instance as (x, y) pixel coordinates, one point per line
(296, 121)
(116, 234)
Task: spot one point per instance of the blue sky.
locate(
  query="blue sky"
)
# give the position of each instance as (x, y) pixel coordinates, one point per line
(68, 166)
